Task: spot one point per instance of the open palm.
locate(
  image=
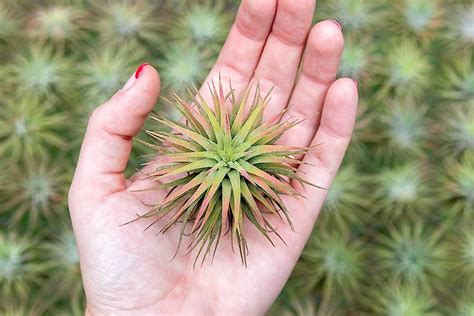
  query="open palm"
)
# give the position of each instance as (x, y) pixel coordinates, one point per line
(127, 270)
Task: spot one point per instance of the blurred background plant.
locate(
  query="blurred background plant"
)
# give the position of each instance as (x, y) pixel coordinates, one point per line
(396, 233)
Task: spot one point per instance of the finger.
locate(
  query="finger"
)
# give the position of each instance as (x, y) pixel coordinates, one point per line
(244, 44)
(281, 56)
(320, 62)
(334, 134)
(108, 140)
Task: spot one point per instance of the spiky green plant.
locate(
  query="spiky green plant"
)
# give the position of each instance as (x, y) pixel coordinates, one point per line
(56, 23)
(334, 261)
(126, 21)
(457, 186)
(394, 299)
(28, 128)
(8, 22)
(39, 71)
(231, 165)
(353, 15)
(106, 70)
(407, 69)
(464, 305)
(401, 191)
(460, 33)
(420, 17)
(462, 254)
(357, 59)
(403, 131)
(61, 258)
(38, 190)
(18, 269)
(457, 82)
(346, 200)
(202, 23)
(181, 66)
(412, 254)
(458, 129)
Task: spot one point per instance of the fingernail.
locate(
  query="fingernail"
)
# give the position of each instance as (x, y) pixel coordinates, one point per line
(134, 77)
(140, 70)
(337, 23)
(356, 83)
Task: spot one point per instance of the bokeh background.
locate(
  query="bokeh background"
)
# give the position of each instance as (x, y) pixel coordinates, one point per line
(396, 235)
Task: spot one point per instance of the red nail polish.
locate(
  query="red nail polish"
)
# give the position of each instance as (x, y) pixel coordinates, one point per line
(139, 70)
(337, 23)
(356, 83)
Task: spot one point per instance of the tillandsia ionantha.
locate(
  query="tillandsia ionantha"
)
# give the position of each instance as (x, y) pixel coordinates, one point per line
(229, 169)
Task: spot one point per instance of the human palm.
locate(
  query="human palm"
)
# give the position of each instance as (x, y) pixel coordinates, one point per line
(127, 269)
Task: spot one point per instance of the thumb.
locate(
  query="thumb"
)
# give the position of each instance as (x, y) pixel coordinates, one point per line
(108, 140)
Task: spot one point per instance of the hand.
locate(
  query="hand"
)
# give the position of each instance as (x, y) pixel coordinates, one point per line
(128, 271)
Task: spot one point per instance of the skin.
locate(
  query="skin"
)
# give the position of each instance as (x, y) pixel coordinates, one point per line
(127, 271)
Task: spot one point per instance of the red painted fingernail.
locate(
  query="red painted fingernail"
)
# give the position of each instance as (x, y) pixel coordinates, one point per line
(356, 83)
(337, 23)
(139, 70)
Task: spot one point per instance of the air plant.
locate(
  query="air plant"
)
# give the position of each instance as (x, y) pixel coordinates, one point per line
(457, 132)
(459, 32)
(457, 83)
(356, 59)
(403, 130)
(233, 169)
(119, 22)
(203, 23)
(56, 24)
(182, 66)
(401, 191)
(354, 15)
(106, 70)
(464, 305)
(394, 299)
(346, 200)
(62, 260)
(8, 22)
(420, 17)
(462, 254)
(334, 261)
(412, 254)
(39, 189)
(28, 128)
(18, 269)
(407, 69)
(39, 71)
(457, 186)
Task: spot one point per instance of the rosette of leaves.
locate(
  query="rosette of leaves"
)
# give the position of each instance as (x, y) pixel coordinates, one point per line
(346, 200)
(203, 23)
(39, 71)
(457, 186)
(403, 130)
(462, 254)
(457, 130)
(357, 59)
(61, 261)
(412, 254)
(119, 22)
(106, 70)
(401, 191)
(181, 66)
(19, 269)
(38, 190)
(56, 24)
(228, 166)
(29, 128)
(336, 262)
(394, 299)
(406, 69)
(459, 34)
(420, 17)
(9, 23)
(457, 83)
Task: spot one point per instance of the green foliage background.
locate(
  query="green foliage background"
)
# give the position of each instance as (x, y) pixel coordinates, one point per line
(396, 234)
